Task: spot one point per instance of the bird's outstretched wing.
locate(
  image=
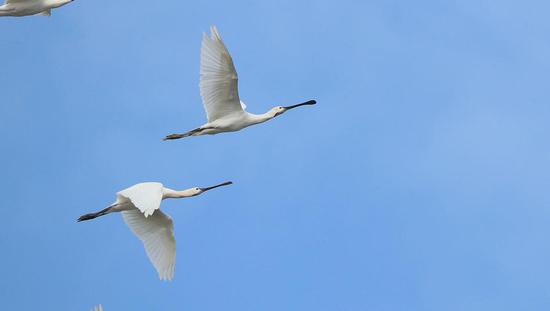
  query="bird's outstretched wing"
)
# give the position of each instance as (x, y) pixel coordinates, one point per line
(98, 308)
(145, 196)
(16, 1)
(157, 234)
(219, 80)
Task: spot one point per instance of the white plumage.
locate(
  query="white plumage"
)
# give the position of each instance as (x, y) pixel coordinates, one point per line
(140, 207)
(157, 234)
(219, 89)
(219, 79)
(145, 196)
(30, 7)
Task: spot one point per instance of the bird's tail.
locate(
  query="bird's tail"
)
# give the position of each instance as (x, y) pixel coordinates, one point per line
(178, 136)
(94, 215)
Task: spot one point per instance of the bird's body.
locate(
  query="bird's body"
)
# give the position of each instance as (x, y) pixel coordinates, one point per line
(231, 123)
(140, 208)
(220, 94)
(30, 7)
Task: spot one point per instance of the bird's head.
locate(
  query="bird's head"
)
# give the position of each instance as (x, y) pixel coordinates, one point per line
(199, 190)
(279, 110)
(275, 111)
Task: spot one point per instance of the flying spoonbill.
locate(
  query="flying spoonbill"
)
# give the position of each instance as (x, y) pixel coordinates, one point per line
(140, 207)
(98, 308)
(30, 7)
(220, 94)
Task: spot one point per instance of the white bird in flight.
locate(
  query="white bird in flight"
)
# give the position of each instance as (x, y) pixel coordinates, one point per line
(31, 7)
(140, 207)
(98, 308)
(220, 94)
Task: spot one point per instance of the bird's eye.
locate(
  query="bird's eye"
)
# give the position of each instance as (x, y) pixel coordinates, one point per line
(196, 188)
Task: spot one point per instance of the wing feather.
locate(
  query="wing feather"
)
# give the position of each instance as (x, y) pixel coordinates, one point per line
(157, 234)
(219, 79)
(145, 196)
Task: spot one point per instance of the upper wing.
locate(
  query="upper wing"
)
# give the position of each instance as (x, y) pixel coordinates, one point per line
(16, 1)
(145, 196)
(219, 80)
(157, 234)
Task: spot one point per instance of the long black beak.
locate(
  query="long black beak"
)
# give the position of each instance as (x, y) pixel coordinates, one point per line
(227, 183)
(309, 102)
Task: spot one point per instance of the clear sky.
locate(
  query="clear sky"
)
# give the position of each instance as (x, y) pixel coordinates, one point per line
(419, 181)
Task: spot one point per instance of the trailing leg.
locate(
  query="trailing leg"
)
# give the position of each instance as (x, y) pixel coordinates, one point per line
(95, 215)
(194, 132)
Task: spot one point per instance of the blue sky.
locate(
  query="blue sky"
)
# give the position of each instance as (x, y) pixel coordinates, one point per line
(419, 181)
